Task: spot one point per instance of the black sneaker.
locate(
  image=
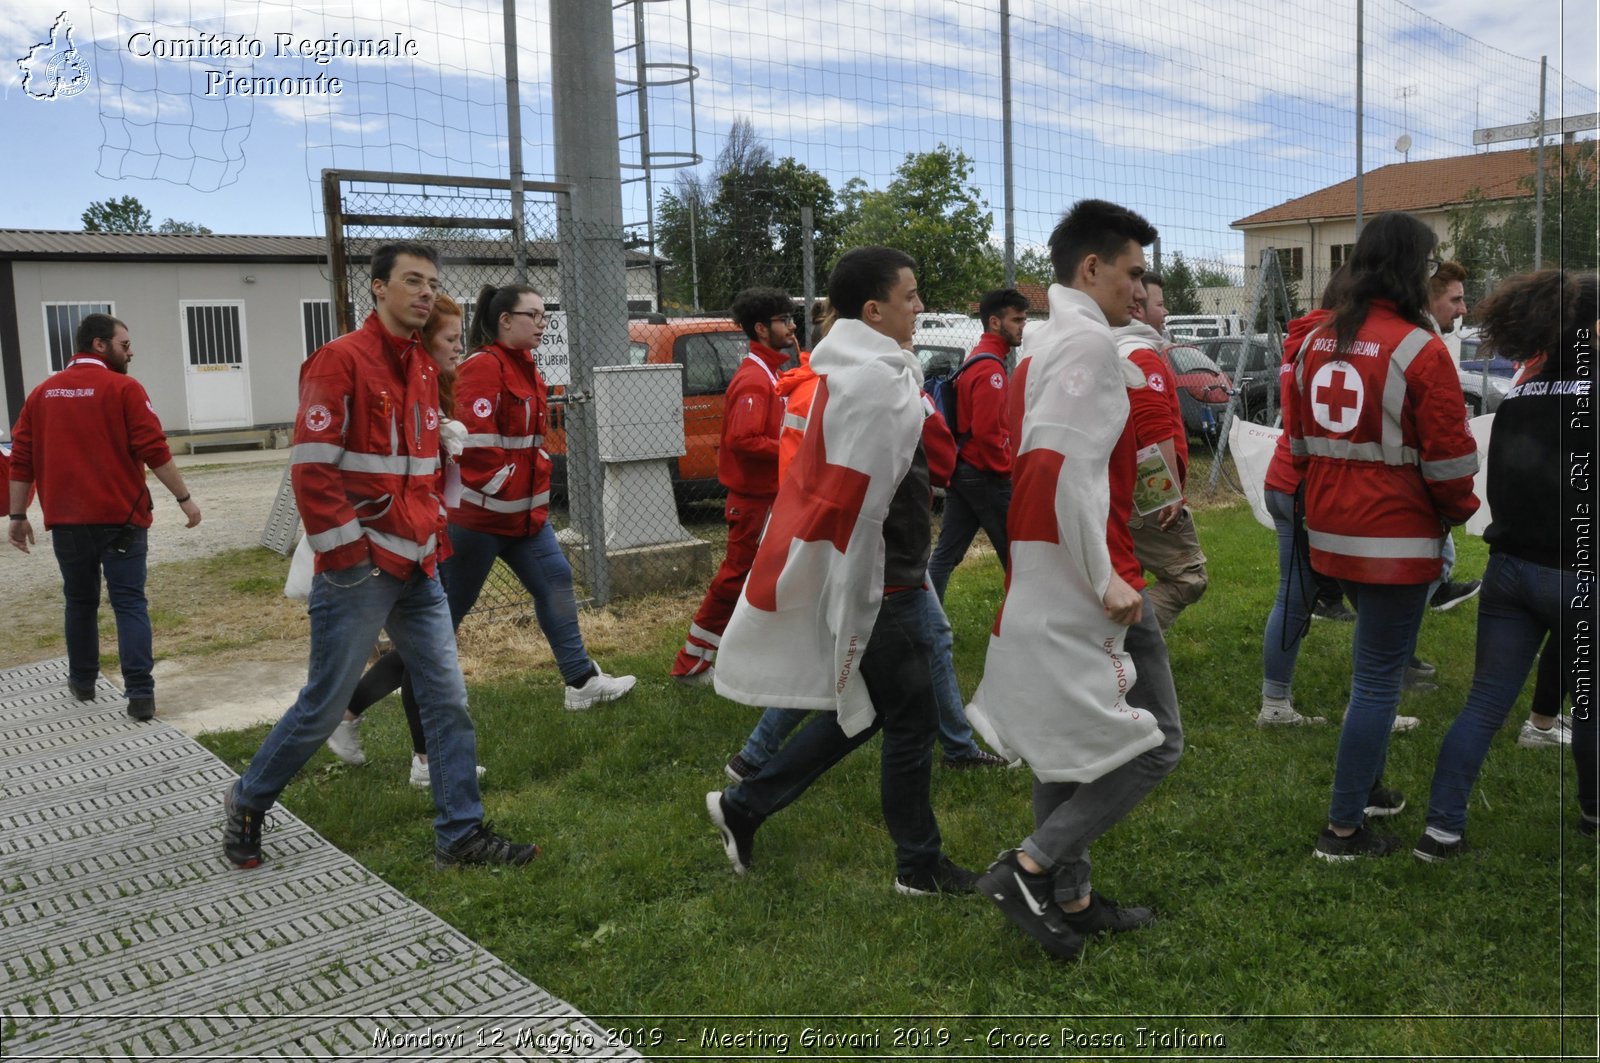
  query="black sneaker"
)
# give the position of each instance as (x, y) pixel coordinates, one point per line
(1450, 595)
(978, 758)
(484, 846)
(1431, 850)
(142, 708)
(1363, 842)
(946, 877)
(738, 769)
(1105, 916)
(738, 833)
(1382, 801)
(241, 831)
(1419, 668)
(1028, 900)
(1333, 609)
(81, 692)
(1589, 828)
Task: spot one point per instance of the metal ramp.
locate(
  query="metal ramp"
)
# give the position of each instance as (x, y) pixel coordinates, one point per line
(125, 934)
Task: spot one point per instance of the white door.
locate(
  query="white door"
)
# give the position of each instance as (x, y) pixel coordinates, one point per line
(217, 379)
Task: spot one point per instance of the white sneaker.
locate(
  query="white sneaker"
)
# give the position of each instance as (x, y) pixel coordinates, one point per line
(419, 772)
(1530, 737)
(1279, 712)
(600, 687)
(1404, 723)
(345, 742)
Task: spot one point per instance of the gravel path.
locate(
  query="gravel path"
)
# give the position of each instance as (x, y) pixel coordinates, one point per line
(234, 503)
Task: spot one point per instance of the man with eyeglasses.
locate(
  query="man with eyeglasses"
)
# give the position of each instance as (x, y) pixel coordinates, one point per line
(365, 468)
(747, 465)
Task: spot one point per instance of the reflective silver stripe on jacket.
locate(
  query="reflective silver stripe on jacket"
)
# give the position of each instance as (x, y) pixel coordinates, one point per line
(797, 421)
(1394, 392)
(345, 534)
(505, 505)
(354, 461)
(1322, 447)
(1450, 468)
(395, 464)
(1375, 545)
(404, 547)
(483, 439)
(1297, 447)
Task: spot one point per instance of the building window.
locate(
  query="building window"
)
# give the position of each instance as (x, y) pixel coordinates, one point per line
(316, 324)
(214, 334)
(61, 321)
(1292, 261)
(1339, 254)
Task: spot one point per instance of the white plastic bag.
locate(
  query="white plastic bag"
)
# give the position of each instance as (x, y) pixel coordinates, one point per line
(301, 568)
(1251, 446)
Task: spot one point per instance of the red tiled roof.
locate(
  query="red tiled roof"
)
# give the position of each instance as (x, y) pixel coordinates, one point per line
(1432, 184)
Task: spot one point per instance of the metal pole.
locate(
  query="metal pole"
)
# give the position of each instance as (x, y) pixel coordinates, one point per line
(519, 250)
(694, 250)
(1538, 192)
(808, 268)
(1005, 135)
(1155, 254)
(641, 71)
(1360, 72)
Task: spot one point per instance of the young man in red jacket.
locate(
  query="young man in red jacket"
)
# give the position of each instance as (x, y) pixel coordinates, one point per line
(365, 472)
(85, 437)
(980, 492)
(747, 465)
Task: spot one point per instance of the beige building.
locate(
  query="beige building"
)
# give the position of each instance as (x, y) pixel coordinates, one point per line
(220, 324)
(1315, 233)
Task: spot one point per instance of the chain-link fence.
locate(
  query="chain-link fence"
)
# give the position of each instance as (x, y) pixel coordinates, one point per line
(635, 411)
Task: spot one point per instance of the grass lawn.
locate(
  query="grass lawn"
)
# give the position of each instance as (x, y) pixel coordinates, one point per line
(633, 914)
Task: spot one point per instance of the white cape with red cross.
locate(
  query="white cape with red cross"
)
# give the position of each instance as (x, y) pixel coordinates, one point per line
(1054, 684)
(809, 604)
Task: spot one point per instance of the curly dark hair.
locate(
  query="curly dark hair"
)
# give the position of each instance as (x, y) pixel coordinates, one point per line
(1550, 312)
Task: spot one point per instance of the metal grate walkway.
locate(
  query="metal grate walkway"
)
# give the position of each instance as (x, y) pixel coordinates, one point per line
(125, 934)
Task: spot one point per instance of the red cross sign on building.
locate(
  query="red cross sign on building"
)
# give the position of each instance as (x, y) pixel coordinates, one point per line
(819, 503)
(1336, 397)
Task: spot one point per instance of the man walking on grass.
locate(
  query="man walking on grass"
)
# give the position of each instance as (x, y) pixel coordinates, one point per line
(1077, 680)
(833, 614)
(366, 479)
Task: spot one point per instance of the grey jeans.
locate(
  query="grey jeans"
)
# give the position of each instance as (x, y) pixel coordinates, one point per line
(1068, 817)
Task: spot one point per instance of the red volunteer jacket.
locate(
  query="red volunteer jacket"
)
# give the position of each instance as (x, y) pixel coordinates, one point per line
(505, 471)
(981, 409)
(84, 439)
(752, 417)
(1123, 470)
(1281, 473)
(366, 453)
(1153, 409)
(795, 387)
(1380, 435)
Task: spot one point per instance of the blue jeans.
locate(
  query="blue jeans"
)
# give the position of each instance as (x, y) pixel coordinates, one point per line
(83, 551)
(1521, 602)
(895, 669)
(538, 563)
(348, 608)
(1297, 592)
(955, 733)
(1387, 619)
(974, 499)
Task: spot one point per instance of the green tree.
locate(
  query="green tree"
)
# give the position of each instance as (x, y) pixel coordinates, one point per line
(741, 226)
(1034, 264)
(1496, 240)
(125, 215)
(173, 227)
(1180, 291)
(932, 211)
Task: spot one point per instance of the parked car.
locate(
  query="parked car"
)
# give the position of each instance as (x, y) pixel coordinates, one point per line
(1252, 364)
(1187, 327)
(709, 351)
(941, 348)
(1202, 389)
(1474, 352)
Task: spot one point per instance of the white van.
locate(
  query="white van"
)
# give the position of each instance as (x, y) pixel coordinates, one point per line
(1183, 328)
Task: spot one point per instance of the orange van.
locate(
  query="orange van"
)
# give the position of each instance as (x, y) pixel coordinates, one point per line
(709, 350)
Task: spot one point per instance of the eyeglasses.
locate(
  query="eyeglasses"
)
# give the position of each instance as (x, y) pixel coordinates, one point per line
(783, 319)
(539, 316)
(1433, 266)
(415, 283)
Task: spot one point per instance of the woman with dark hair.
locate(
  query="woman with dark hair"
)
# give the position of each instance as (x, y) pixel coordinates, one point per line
(1377, 428)
(504, 509)
(1532, 586)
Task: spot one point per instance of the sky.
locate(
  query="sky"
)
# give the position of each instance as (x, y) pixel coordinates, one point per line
(1197, 112)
